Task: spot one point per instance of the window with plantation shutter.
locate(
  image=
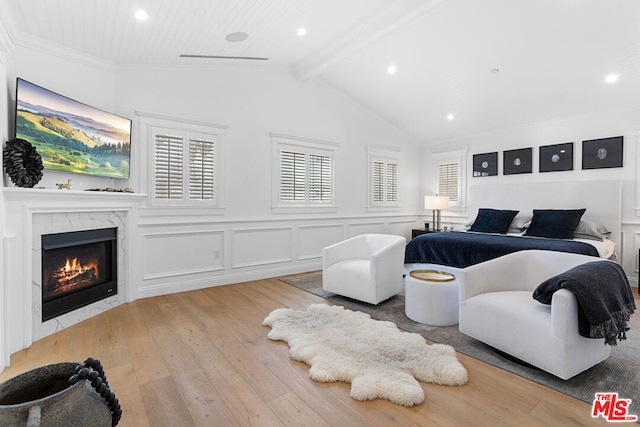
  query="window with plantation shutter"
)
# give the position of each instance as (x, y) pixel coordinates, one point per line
(449, 180)
(449, 177)
(383, 178)
(184, 162)
(185, 167)
(304, 175)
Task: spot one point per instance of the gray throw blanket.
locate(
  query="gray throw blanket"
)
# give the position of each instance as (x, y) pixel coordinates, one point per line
(605, 298)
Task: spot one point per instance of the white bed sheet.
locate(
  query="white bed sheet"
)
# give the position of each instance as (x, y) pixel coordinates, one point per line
(606, 248)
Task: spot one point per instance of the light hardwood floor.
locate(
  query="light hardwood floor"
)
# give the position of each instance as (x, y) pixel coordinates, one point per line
(202, 358)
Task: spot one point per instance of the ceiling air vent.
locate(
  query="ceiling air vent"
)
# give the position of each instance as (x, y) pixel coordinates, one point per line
(250, 58)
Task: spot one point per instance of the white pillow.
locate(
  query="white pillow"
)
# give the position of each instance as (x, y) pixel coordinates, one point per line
(591, 231)
(519, 223)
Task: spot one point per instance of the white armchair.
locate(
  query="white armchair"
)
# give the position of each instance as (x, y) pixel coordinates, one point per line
(497, 308)
(367, 267)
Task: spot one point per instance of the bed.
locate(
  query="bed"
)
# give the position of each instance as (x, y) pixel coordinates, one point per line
(461, 249)
(583, 217)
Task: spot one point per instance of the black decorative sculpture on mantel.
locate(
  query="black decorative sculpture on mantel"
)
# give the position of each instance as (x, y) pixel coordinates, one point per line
(22, 162)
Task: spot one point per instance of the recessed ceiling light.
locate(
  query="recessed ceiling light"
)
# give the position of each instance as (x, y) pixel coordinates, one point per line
(141, 15)
(236, 37)
(611, 78)
(495, 70)
(450, 116)
(301, 31)
(391, 69)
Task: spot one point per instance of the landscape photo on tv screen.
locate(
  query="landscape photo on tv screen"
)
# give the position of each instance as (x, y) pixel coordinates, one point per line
(71, 136)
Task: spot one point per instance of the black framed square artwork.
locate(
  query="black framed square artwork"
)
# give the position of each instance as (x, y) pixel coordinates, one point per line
(517, 161)
(485, 164)
(602, 153)
(555, 158)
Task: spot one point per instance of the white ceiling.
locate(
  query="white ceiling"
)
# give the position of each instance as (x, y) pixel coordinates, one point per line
(552, 55)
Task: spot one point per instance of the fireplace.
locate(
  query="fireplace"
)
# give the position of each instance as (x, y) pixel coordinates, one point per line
(78, 268)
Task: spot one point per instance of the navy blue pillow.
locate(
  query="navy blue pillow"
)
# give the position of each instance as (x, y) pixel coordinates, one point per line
(493, 221)
(554, 223)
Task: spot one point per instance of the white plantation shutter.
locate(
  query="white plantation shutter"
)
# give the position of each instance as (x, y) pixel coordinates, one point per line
(201, 169)
(391, 181)
(384, 182)
(378, 181)
(319, 178)
(449, 180)
(168, 167)
(292, 176)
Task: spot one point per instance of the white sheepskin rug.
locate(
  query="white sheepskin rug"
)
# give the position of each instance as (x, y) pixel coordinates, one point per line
(379, 360)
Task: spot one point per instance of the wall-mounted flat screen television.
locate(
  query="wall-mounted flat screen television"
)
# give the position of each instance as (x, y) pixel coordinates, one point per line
(71, 136)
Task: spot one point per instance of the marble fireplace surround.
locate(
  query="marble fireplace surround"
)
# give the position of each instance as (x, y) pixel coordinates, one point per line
(39, 212)
(58, 222)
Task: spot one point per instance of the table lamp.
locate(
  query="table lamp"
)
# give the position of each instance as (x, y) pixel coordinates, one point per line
(436, 204)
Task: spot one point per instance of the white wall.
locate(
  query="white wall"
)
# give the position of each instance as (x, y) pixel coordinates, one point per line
(254, 101)
(251, 101)
(249, 240)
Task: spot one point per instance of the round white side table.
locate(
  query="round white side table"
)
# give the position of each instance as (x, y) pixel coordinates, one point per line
(431, 297)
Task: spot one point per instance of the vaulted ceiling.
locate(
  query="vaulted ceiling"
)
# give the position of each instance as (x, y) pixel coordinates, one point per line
(491, 64)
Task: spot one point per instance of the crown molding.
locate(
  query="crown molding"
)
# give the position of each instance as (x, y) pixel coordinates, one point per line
(10, 37)
(62, 52)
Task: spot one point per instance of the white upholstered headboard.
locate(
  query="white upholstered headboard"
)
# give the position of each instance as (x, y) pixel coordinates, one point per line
(602, 199)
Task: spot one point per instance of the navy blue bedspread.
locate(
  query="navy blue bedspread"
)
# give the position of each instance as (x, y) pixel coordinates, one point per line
(462, 248)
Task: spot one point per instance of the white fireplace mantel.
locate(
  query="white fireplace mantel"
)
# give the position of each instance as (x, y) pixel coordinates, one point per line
(31, 212)
(45, 196)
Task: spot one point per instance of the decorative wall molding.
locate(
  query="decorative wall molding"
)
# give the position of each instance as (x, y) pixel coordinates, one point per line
(255, 247)
(165, 253)
(201, 250)
(312, 238)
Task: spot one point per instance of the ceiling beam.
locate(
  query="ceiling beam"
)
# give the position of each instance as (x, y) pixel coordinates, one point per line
(386, 21)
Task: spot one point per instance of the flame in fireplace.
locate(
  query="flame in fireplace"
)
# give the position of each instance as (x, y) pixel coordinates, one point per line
(73, 267)
(73, 275)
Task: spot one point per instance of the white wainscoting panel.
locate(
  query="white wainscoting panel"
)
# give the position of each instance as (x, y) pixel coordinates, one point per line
(312, 238)
(373, 227)
(402, 227)
(251, 247)
(180, 253)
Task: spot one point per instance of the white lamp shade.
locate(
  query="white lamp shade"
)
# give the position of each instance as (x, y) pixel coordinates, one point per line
(436, 202)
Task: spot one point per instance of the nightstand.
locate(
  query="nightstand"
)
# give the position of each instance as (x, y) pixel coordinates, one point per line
(418, 231)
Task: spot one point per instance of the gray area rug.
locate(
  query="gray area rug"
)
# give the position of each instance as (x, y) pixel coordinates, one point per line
(619, 373)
